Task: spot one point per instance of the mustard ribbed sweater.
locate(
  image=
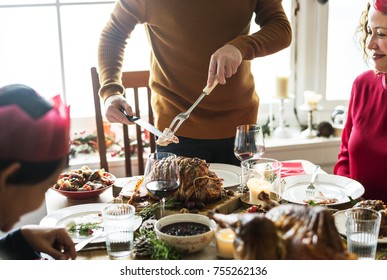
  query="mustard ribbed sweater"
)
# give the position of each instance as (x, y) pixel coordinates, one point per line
(183, 35)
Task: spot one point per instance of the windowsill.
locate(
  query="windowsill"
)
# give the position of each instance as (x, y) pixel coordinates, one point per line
(91, 159)
(297, 140)
(319, 150)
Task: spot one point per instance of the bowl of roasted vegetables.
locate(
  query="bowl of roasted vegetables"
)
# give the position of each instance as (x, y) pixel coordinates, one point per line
(83, 183)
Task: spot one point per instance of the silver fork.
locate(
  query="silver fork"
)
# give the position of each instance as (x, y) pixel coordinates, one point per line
(180, 118)
(310, 190)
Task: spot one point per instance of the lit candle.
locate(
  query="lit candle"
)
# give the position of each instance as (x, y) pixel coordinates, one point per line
(256, 186)
(225, 243)
(312, 98)
(282, 87)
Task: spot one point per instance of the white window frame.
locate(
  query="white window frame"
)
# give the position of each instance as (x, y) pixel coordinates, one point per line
(310, 34)
(309, 50)
(311, 45)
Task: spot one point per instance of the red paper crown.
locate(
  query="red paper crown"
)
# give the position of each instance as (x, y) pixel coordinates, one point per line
(35, 140)
(380, 5)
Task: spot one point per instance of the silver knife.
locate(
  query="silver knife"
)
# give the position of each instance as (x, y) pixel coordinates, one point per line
(83, 243)
(142, 123)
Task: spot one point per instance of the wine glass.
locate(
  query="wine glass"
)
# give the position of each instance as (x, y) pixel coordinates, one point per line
(162, 177)
(249, 143)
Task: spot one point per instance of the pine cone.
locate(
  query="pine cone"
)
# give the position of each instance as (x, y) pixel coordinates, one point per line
(148, 225)
(142, 247)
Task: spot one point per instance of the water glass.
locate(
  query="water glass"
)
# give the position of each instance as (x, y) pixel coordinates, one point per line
(118, 221)
(262, 174)
(362, 226)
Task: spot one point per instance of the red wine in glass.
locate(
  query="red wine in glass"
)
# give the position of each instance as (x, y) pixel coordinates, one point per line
(162, 189)
(249, 143)
(162, 177)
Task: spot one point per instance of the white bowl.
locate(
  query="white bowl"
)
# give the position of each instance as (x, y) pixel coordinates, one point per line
(187, 244)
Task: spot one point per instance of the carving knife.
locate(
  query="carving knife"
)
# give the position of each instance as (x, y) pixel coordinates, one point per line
(142, 123)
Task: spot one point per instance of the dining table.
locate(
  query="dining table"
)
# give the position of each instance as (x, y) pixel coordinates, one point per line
(55, 201)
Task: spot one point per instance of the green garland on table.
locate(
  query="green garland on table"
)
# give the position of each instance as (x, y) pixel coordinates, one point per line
(149, 212)
(160, 249)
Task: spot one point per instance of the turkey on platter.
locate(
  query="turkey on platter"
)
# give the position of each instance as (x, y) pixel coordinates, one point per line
(285, 232)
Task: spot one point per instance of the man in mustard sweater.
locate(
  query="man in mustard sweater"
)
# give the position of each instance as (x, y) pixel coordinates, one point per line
(194, 42)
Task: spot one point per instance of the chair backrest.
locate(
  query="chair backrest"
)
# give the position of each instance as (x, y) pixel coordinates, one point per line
(132, 82)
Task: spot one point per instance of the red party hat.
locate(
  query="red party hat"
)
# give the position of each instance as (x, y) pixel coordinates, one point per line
(35, 140)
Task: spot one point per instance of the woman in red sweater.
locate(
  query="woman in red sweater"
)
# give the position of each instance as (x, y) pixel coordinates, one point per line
(363, 152)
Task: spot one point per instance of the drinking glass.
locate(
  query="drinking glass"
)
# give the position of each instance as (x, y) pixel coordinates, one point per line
(362, 226)
(162, 177)
(249, 143)
(118, 220)
(262, 175)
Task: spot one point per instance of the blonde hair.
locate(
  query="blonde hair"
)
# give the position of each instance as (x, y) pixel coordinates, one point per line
(361, 32)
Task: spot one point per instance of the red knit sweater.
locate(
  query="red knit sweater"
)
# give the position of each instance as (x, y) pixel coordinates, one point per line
(363, 152)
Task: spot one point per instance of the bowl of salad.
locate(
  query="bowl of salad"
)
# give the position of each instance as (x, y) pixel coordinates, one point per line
(83, 183)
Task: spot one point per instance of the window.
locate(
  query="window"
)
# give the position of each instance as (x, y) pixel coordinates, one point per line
(51, 46)
(266, 69)
(328, 57)
(29, 49)
(25, 2)
(344, 54)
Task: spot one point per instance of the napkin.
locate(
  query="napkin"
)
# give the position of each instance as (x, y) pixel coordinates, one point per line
(290, 168)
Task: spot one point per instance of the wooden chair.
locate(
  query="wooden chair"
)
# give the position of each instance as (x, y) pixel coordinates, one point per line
(132, 82)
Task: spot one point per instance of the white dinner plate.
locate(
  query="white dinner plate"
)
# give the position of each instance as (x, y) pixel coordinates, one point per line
(230, 173)
(339, 218)
(83, 213)
(331, 186)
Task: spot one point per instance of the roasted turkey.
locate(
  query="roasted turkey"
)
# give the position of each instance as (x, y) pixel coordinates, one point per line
(285, 232)
(197, 182)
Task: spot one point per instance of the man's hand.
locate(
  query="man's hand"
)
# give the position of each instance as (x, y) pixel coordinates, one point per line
(113, 104)
(223, 64)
